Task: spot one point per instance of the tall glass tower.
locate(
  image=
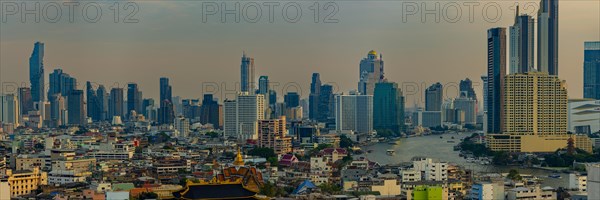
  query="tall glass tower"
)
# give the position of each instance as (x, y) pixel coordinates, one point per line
(548, 37)
(496, 71)
(591, 70)
(247, 74)
(36, 72)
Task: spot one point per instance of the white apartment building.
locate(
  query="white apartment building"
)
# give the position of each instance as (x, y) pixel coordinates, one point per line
(240, 117)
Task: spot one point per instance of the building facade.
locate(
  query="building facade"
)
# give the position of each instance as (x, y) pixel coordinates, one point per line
(388, 107)
(591, 70)
(354, 112)
(496, 70)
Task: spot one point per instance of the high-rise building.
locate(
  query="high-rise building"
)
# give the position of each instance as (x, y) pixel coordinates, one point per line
(388, 107)
(76, 112)
(115, 103)
(182, 126)
(242, 114)
(521, 44)
(263, 85)
(58, 110)
(247, 74)
(467, 86)
(61, 83)
(148, 109)
(547, 40)
(466, 106)
(354, 112)
(210, 112)
(26, 101)
(496, 70)
(326, 104)
(370, 72)
(313, 98)
(102, 103)
(166, 113)
(36, 72)
(93, 102)
(134, 98)
(591, 70)
(434, 97)
(9, 109)
(535, 114)
(291, 100)
(272, 134)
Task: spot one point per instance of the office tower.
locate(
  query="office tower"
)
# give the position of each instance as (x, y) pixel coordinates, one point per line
(370, 72)
(209, 111)
(93, 108)
(272, 98)
(182, 126)
(36, 72)
(134, 98)
(263, 85)
(496, 70)
(354, 112)
(26, 101)
(147, 106)
(535, 114)
(58, 110)
(547, 40)
(521, 44)
(115, 103)
(192, 110)
(313, 98)
(61, 83)
(102, 102)
(9, 109)
(242, 114)
(247, 74)
(485, 92)
(272, 134)
(467, 106)
(291, 100)
(326, 103)
(388, 107)
(434, 97)
(177, 107)
(166, 112)
(591, 70)
(467, 86)
(76, 112)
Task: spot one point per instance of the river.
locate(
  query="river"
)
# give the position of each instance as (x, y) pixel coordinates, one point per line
(431, 146)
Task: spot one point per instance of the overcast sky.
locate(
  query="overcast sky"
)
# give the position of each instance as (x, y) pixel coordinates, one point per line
(183, 41)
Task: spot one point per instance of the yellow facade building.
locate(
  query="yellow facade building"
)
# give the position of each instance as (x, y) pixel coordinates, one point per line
(535, 114)
(25, 181)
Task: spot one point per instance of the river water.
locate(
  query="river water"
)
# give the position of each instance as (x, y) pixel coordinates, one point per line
(432, 146)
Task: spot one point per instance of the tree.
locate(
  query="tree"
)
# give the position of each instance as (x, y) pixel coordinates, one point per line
(148, 195)
(271, 190)
(345, 142)
(514, 175)
(212, 134)
(262, 152)
(330, 188)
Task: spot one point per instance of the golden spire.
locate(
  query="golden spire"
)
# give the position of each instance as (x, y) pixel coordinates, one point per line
(239, 161)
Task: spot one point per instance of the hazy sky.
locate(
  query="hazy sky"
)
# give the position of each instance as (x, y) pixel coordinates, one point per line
(172, 40)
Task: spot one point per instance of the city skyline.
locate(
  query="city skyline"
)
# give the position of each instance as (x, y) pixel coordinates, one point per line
(406, 61)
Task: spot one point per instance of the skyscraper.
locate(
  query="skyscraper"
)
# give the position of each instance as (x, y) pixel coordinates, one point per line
(521, 44)
(272, 134)
(61, 83)
(102, 102)
(547, 51)
(467, 86)
(370, 72)
(263, 85)
(247, 74)
(115, 103)
(75, 108)
(209, 111)
(535, 114)
(291, 99)
(36, 72)
(182, 126)
(496, 70)
(326, 104)
(242, 114)
(388, 107)
(313, 98)
(58, 110)
(354, 112)
(26, 101)
(9, 109)
(166, 114)
(434, 97)
(93, 110)
(134, 98)
(467, 106)
(591, 70)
